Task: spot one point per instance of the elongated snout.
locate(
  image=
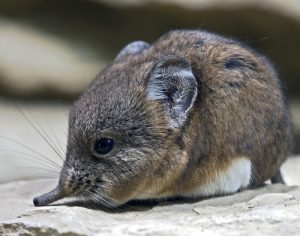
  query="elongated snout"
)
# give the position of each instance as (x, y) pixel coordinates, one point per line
(47, 198)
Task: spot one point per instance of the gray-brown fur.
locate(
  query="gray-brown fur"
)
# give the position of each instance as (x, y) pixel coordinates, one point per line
(238, 111)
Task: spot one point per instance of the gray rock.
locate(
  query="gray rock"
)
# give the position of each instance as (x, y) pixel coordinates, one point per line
(273, 209)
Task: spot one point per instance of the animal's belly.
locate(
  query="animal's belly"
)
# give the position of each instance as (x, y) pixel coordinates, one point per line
(236, 176)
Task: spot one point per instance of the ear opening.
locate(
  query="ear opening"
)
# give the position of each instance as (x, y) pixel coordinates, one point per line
(172, 82)
(133, 48)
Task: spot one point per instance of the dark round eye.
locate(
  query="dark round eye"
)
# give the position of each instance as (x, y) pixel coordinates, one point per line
(104, 146)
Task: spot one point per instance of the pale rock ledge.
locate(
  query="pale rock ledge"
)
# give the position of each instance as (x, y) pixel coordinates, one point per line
(271, 210)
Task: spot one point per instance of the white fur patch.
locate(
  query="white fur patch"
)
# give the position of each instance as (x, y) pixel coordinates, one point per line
(184, 73)
(236, 177)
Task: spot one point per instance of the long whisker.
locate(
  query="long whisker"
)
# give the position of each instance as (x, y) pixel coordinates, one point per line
(26, 147)
(47, 162)
(126, 188)
(41, 133)
(98, 198)
(102, 196)
(87, 204)
(93, 203)
(56, 138)
(40, 168)
(37, 177)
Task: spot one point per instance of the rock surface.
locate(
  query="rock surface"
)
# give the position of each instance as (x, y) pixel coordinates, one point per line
(273, 209)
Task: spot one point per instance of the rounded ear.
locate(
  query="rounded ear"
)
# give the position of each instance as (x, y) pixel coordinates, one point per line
(132, 48)
(172, 82)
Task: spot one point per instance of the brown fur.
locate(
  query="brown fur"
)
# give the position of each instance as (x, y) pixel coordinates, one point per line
(239, 111)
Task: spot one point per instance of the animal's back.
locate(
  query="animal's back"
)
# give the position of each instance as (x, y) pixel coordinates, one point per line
(239, 131)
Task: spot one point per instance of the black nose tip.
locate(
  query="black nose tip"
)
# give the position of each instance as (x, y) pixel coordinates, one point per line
(36, 201)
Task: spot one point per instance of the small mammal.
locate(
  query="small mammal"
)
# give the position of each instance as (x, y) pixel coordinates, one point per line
(194, 114)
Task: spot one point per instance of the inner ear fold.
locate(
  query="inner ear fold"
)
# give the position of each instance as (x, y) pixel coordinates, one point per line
(132, 48)
(172, 82)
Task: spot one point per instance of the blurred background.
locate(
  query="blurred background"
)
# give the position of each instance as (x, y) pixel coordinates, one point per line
(50, 51)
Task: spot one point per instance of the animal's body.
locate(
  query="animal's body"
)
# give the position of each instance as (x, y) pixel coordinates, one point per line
(194, 114)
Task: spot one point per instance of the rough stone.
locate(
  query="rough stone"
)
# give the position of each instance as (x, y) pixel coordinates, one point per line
(273, 209)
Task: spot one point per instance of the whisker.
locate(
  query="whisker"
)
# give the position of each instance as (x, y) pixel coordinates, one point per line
(92, 204)
(87, 200)
(36, 127)
(99, 195)
(41, 133)
(47, 174)
(127, 187)
(84, 201)
(56, 138)
(86, 204)
(36, 177)
(26, 147)
(40, 168)
(47, 162)
(120, 203)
